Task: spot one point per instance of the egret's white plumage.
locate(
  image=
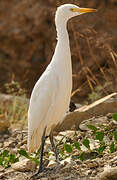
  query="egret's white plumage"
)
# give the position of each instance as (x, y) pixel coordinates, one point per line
(51, 94)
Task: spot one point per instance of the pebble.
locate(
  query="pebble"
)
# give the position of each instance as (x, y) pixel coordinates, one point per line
(1, 168)
(24, 165)
(66, 168)
(78, 162)
(109, 115)
(66, 161)
(101, 163)
(20, 137)
(94, 173)
(1, 145)
(52, 163)
(6, 136)
(93, 164)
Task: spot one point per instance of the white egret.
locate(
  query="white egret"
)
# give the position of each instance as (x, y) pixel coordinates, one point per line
(50, 97)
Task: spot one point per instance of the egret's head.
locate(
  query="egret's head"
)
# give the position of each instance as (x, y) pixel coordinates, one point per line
(67, 11)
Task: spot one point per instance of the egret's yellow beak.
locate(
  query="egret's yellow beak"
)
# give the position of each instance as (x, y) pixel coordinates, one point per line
(83, 10)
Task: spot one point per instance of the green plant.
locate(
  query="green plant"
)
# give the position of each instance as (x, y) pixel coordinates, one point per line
(7, 158)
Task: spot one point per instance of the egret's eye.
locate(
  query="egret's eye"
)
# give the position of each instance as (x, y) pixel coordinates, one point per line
(71, 9)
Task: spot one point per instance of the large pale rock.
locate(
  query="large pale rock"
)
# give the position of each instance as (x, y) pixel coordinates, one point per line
(100, 107)
(108, 174)
(24, 165)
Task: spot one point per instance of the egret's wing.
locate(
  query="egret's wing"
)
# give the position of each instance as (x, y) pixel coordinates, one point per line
(42, 98)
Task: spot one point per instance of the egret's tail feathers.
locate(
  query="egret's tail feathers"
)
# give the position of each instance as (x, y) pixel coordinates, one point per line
(34, 140)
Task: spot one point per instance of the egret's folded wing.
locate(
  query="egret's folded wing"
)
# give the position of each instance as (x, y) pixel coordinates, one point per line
(42, 98)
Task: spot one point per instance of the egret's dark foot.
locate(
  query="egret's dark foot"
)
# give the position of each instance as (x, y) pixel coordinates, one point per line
(51, 170)
(37, 173)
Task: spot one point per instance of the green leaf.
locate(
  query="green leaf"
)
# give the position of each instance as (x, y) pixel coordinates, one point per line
(101, 149)
(86, 143)
(115, 135)
(100, 135)
(6, 159)
(112, 147)
(5, 153)
(77, 145)
(35, 160)
(114, 116)
(24, 153)
(68, 148)
(82, 156)
(93, 128)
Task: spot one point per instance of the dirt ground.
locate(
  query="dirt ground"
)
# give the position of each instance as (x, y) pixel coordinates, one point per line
(71, 168)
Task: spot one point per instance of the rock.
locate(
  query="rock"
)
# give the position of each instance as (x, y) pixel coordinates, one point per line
(88, 112)
(92, 164)
(44, 178)
(24, 141)
(66, 161)
(66, 168)
(52, 163)
(101, 163)
(108, 174)
(11, 142)
(1, 144)
(1, 168)
(24, 146)
(109, 115)
(78, 162)
(4, 125)
(24, 165)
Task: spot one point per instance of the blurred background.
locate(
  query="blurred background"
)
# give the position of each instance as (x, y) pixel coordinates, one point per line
(28, 40)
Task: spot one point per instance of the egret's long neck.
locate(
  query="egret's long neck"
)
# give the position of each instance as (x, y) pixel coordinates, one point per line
(62, 55)
(62, 34)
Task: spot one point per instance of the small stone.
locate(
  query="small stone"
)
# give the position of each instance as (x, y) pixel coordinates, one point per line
(52, 163)
(94, 173)
(101, 163)
(6, 136)
(1, 168)
(24, 165)
(12, 143)
(1, 175)
(1, 144)
(4, 125)
(114, 159)
(24, 141)
(93, 164)
(78, 162)
(20, 137)
(89, 171)
(7, 143)
(24, 146)
(66, 168)
(66, 161)
(109, 115)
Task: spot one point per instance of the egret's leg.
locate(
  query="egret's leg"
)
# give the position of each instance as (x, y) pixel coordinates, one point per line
(42, 150)
(54, 147)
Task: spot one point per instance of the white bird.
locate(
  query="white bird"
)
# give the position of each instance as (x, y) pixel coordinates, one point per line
(50, 97)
